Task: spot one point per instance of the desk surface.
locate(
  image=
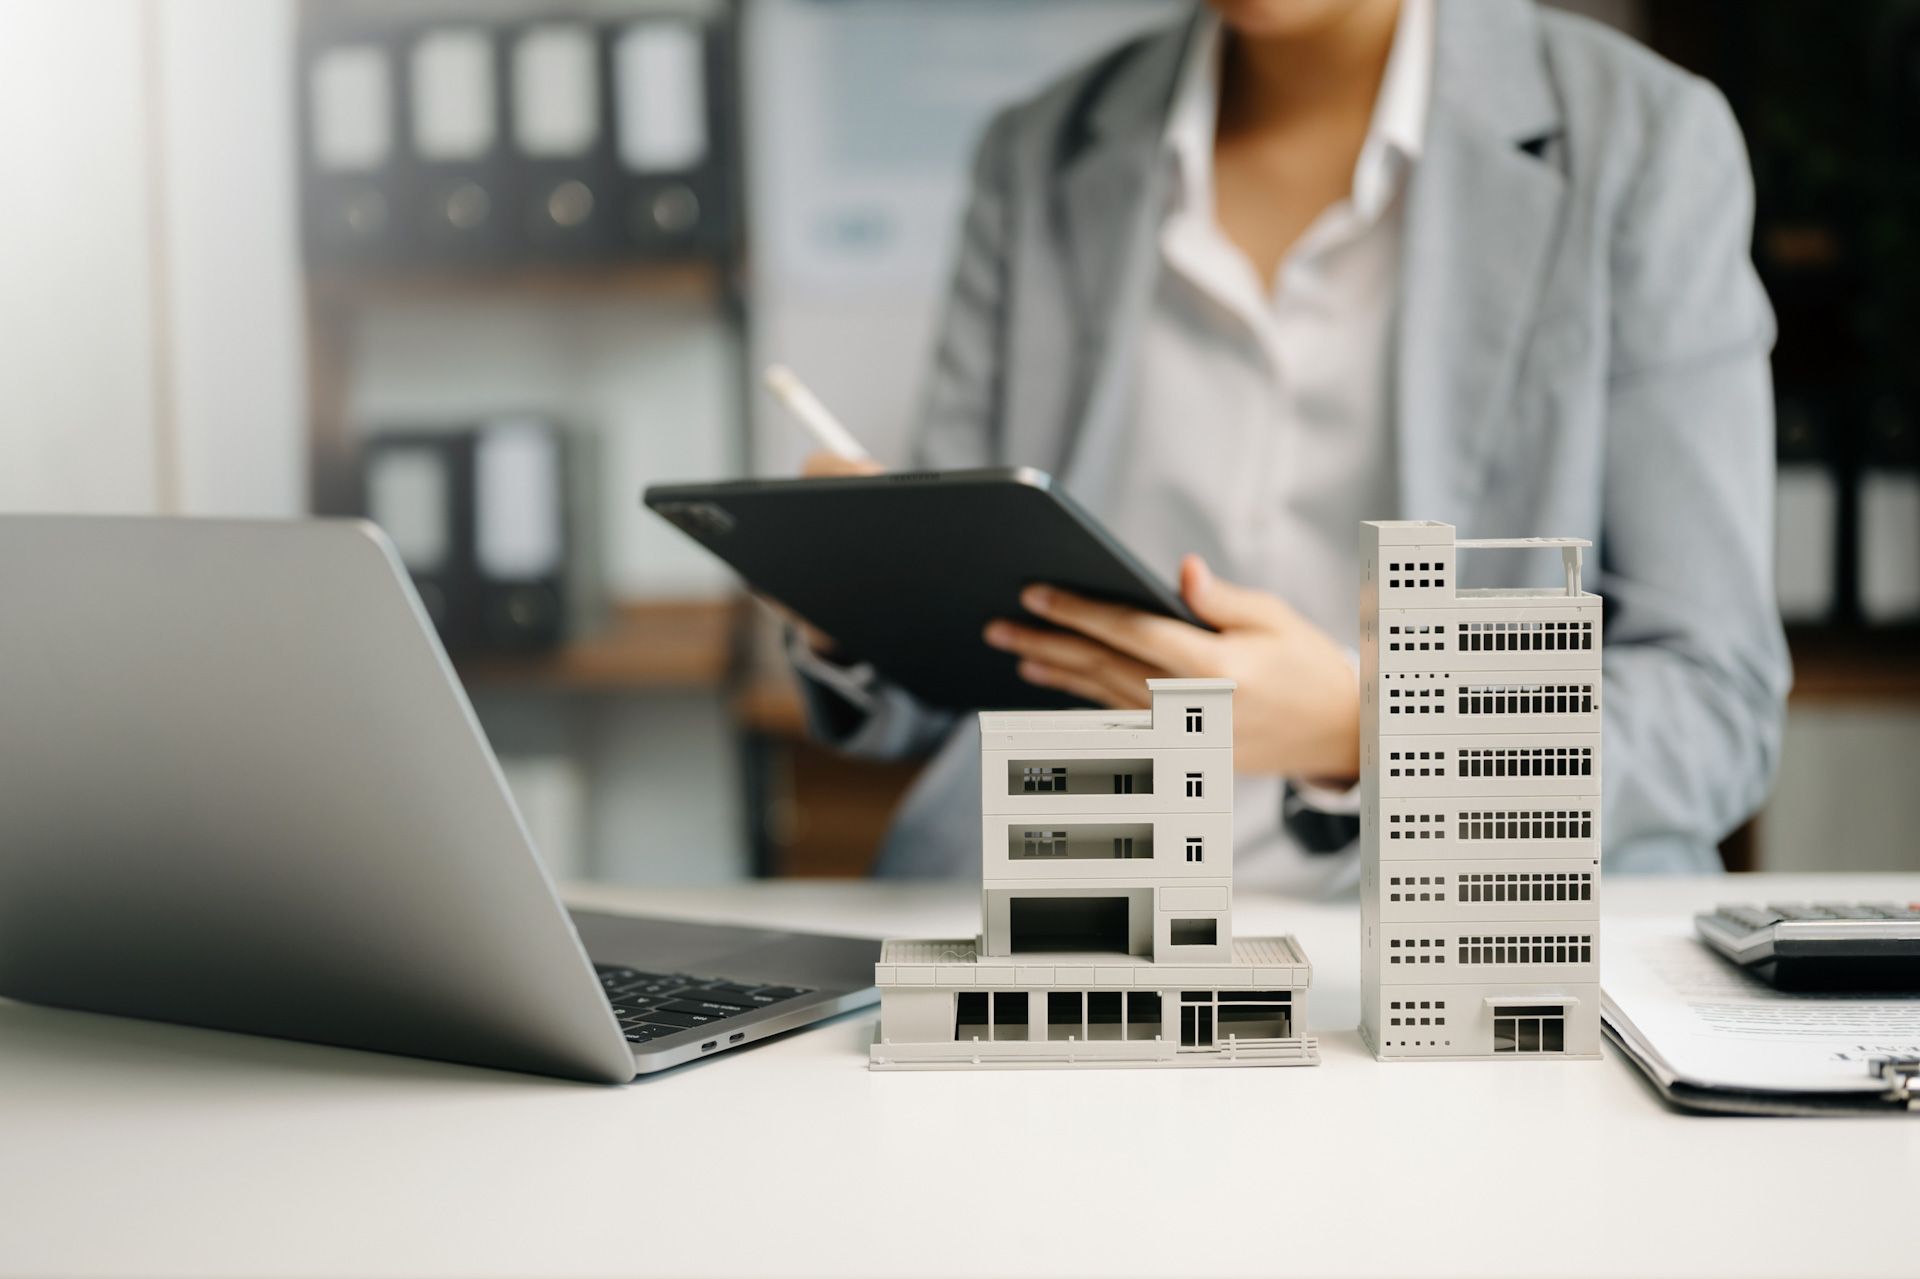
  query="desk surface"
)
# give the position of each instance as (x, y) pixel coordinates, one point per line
(134, 1148)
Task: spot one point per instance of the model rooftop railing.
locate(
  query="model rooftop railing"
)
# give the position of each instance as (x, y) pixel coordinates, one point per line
(1569, 547)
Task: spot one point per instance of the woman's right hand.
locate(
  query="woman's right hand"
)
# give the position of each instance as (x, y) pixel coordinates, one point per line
(822, 463)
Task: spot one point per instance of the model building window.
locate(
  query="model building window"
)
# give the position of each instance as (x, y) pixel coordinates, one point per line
(1193, 719)
(970, 1016)
(1104, 1019)
(1043, 843)
(1092, 925)
(1066, 1015)
(1009, 1014)
(1195, 852)
(1255, 1014)
(1574, 948)
(1529, 824)
(1193, 786)
(1081, 841)
(1195, 932)
(1043, 779)
(1529, 1028)
(1079, 777)
(1143, 1014)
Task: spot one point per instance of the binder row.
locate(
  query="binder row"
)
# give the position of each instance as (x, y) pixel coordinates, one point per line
(1848, 519)
(478, 515)
(487, 141)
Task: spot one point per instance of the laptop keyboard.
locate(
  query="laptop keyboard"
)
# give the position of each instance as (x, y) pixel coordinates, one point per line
(653, 1005)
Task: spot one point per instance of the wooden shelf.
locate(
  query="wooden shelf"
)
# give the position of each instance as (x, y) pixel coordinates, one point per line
(770, 705)
(597, 281)
(1835, 666)
(670, 644)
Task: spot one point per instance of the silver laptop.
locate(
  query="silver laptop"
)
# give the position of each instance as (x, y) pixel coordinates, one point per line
(240, 787)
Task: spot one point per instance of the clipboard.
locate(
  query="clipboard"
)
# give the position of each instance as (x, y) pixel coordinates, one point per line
(1712, 1038)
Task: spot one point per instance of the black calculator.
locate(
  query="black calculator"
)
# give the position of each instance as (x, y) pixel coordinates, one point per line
(1834, 946)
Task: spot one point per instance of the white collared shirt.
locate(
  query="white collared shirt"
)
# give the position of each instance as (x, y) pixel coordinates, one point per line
(1260, 427)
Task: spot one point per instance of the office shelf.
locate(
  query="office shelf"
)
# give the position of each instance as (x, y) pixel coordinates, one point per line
(769, 704)
(671, 644)
(1835, 666)
(340, 287)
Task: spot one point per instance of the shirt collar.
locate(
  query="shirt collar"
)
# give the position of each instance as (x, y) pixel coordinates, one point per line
(1395, 134)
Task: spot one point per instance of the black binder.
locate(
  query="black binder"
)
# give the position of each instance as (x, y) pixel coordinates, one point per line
(352, 150)
(417, 485)
(1889, 515)
(673, 121)
(556, 70)
(478, 516)
(458, 181)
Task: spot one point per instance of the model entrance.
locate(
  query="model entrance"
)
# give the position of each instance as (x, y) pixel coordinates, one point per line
(1196, 1019)
(1207, 1017)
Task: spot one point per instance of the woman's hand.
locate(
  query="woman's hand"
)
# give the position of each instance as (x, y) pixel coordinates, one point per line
(1297, 711)
(816, 465)
(821, 463)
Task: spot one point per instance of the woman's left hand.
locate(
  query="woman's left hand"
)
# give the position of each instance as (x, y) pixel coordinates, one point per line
(1297, 710)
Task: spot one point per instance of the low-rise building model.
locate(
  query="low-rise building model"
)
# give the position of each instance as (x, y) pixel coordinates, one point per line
(1107, 935)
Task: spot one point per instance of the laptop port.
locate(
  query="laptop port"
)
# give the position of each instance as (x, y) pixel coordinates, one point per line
(736, 1036)
(709, 1046)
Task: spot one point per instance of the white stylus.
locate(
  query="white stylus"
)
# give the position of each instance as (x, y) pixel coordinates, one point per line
(812, 414)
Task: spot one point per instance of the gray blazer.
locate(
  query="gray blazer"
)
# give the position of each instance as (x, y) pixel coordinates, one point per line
(1581, 350)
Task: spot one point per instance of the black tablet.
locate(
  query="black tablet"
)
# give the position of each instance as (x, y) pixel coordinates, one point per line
(905, 570)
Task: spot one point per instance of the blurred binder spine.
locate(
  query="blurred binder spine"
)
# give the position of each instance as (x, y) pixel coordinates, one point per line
(478, 516)
(349, 113)
(673, 116)
(458, 184)
(1808, 570)
(1889, 516)
(414, 486)
(557, 84)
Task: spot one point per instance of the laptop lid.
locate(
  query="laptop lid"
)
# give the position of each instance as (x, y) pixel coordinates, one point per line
(240, 787)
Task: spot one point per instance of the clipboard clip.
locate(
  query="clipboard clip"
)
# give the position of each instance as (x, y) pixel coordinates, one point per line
(1902, 1077)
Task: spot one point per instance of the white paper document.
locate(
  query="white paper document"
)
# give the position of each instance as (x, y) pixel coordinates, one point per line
(1695, 1019)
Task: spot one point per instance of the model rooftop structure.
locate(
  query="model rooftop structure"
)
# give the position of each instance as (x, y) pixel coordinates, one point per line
(1480, 804)
(1107, 907)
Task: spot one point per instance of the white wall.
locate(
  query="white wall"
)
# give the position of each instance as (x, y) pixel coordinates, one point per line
(231, 235)
(1847, 798)
(149, 321)
(77, 327)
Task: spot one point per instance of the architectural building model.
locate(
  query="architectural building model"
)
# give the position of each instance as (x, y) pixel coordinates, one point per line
(1480, 804)
(1107, 895)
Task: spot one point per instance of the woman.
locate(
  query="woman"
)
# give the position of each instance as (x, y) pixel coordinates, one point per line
(1300, 263)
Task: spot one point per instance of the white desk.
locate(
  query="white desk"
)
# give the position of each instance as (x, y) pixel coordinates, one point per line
(129, 1148)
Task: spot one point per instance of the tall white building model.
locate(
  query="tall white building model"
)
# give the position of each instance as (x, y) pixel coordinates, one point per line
(1107, 895)
(1480, 804)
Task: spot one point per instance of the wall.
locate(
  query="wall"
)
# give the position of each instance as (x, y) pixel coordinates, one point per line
(78, 429)
(1846, 798)
(232, 283)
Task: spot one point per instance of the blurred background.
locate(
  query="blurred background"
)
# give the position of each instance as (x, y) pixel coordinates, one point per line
(484, 269)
